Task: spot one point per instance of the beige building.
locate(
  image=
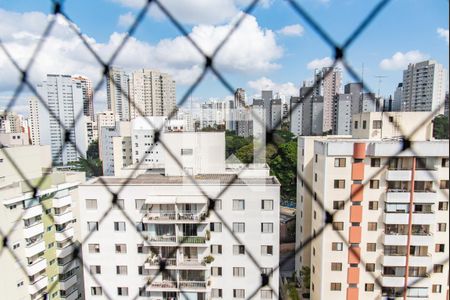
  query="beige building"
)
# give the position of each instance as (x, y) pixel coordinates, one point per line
(152, 93)
(33, 121)
(389, 208)
(40, 227)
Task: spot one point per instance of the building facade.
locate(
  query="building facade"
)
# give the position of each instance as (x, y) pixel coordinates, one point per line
(424, 85)
(41, 227)
(152, 93)
(118, 93)
(63, 101)
(203, 259)
(389, 207)
(88, 95)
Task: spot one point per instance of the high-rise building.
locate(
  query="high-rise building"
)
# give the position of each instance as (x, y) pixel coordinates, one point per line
(389, 210)
(355, 90)
(312, 111)
(424, 85)
(329, 86)
(63, 100)
(118, 93)
(33, 121)
(104, 119)
(91, 130)
(152, 94)
(10, 122)
(342, 118)
(170, 223)
(88, 95)
(397, 101)
(239, 98)
(213, 113)
(40, 227)
(276, 113)
(296, 116)
(115, 147)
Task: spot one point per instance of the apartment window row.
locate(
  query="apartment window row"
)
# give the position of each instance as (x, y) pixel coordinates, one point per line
(98, 291)
(239, 294)
(118, 226)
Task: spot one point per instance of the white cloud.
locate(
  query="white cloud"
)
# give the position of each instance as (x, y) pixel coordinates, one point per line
(251, 49)
(292, 30)
(443, 33)
(400, 60)
(285, 89)
(126, 20)
(320, 63)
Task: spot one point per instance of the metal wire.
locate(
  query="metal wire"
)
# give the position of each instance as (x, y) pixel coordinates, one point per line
(339, 57)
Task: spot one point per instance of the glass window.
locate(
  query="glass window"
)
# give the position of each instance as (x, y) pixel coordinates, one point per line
(338, 226)
(238, 249)
(216, 249)
(266, 204)
(216, 227)
(121, 248)
(266, 250)
(267, 227)
(338, 205)
(339, 184)
(238, 227)
(375, 162)
(238, 204)
(374, 184)
(239, 293)
(121, 270)
(91, 203)
(336, 266)
(94, 248)
(119, 226)
(238, 272)
(92, 226)
(216, 271)
(339, 162)
(122, 291)
(96, 291)
(335, 286)
(337, 246)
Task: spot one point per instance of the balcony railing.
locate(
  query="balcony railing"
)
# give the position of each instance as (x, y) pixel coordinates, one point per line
(161, 238)
(191, 215)
(191, 239)
(192, 262)
(155, 261)
(192, 284)
(160, 215)
(163, 284)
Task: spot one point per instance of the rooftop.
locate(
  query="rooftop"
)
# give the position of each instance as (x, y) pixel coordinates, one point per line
(155, 179)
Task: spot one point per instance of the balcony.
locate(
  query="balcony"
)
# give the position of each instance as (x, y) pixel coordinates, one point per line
(425, 175)
(190, 215)
(68, 265)
(66, 250)
(403, 218)
(64, 234)
(164, 285)
(400, 260)
(419, 240)
(153, 263)
(397, 196)
(164, 239)
(34, 248)
(33, 230)
(36, 266)
(192, 285)
(190, 263)
(191, 239)
(398, 175)
(66, 284)
(38, 284)
(72, 296)
(64, 217)
(155, 216)
(62, 201)
(33, 211)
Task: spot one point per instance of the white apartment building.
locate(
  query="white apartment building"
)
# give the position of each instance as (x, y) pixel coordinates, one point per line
(296, 116)
(424, 86)
(88, 95)
(91, 130)
(64, 98)
(152, 93)
(104, 119)
(33, 121)
(115, 147)
(170, 223)
(328, 88)
(389, 207)
(118, 93)
(214, 113)
(14, 139)
(41, 227)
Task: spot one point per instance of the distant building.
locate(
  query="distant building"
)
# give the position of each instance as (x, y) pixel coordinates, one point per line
(312, 112)
(63, 101)
(88, 95)
(276, 113)
(10, 122)
(296, 116)
(239, 98)
(398, 98)
(342, 115)
(118, 93)
(389, 210)
(91, 130)
(115, 147)
(329, 86)
(424, 85)
(152, 93)
(33, 121)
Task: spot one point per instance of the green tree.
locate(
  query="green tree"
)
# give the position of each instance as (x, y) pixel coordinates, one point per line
(305, 275)
(92, 151)
(440, 130)
(284, 167)
(92, 167)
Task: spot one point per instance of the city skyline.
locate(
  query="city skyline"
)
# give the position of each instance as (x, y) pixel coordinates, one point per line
(284, 69)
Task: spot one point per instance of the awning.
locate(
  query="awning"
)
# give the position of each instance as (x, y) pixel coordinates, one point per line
(160, 200)
(192, 199)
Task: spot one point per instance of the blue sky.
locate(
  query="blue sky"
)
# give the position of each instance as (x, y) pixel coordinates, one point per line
(263, 56)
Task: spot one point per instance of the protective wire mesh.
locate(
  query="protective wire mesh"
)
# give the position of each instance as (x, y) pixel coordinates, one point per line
(340, 57)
